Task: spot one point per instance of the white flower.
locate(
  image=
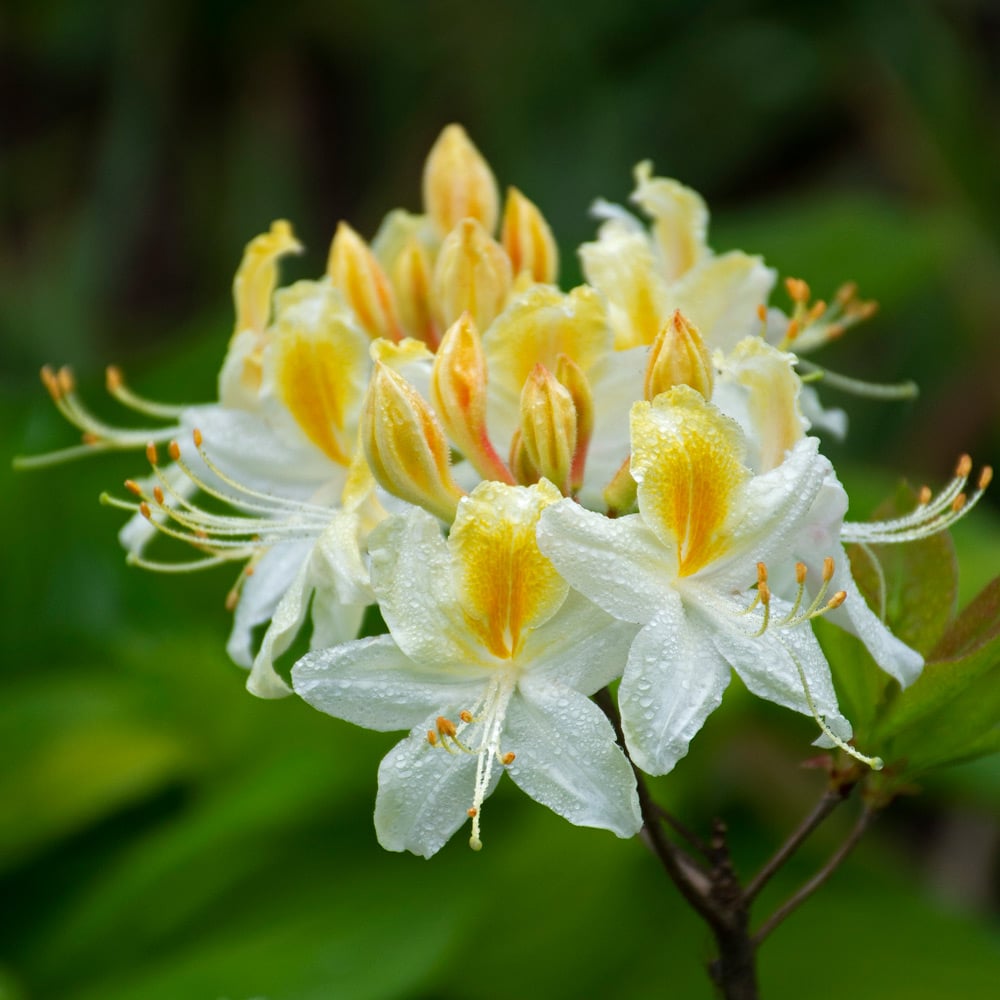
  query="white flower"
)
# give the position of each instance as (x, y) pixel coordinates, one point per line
(706, 530)
(490, 659)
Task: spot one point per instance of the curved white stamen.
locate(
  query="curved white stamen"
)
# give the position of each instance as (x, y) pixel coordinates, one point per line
(856, 387)
(117, 388)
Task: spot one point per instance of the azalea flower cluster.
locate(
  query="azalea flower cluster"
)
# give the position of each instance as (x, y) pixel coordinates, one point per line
(544, 493)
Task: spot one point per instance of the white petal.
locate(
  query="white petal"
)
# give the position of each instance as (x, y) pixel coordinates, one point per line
(780, 665)
(273, 575)
(285, 624)
(567, 759)
(373, 683)
(424, 794)
(580, 647)
(411, 572)
(617, 562)
(673, 681)
(333, 621)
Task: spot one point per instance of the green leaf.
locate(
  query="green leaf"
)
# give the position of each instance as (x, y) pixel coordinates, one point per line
(953, 711)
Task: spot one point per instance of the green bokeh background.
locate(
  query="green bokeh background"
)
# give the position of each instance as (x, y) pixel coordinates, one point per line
(163, 834)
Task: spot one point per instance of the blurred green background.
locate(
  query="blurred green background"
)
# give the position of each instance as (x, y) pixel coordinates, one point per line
(163, 834)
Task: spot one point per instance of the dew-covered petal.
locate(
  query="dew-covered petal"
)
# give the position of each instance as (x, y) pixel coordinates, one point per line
(373, 683)
(285, 624)
(673, 681)
(781, 665)
(424, 794)
(566, 758)
(581, 647)
(618, 563)
(273, 575)
(411, 572)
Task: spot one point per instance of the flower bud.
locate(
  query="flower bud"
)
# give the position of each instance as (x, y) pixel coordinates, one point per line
(405, 445)
(525, 473)
(458, 387)
(621, 494)
(548, 426)
(411, 277)
(679, 356)
(472, 275)
(570, 375)
(359, 276)
(528, 240)
(458, 183)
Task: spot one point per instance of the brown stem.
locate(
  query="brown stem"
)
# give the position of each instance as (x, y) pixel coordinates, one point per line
(803, 893)
(832, 798)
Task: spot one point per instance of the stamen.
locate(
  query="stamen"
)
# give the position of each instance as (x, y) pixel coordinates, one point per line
(115, 383)
(867, 390)
(875, 763)
(931, 515)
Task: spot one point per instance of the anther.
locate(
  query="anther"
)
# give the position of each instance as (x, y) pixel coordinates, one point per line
(800, 573)
(798, 290)
(50, 382)
(113, 378)
(465, 715)
(507, 758)
(445, 726)
(66, 381)
(828, 569)
(792, 330)
(145, 511)
(158, 495)
(174, 451)
(836, 600)
(472, 812)
(196, 437)
(964, 467)
(89, 437)
(985, 477)
(924, 496)
(817, 310)
(133, 487)
(764, 591)
(958, 503)
(432, 737)
(232, 599)
(151, 454)
(846, 292)
(762, 313)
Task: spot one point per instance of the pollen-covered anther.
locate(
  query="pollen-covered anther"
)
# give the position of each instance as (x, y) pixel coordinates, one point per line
(158, 495)
(472, 812)
(174, 451)
(800, 573)
(985, 478)
(508, 758)
(828, 567)
(196, 437)
(90, 438)
(924, 496)
(762, 312)
(798, 290)
(152, 456)
(113, 379)
(67, 383)
(133, 487)
(465, 715)
(145, 511)
(51, 383)
(836, 601)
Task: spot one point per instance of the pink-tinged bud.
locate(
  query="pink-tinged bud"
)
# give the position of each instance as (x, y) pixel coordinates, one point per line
(548, 426)
(458, 387)
(472, 275)
(458, 183)
(679, 356)
(528, 240)
(570, 375)
(359, 276)
(621, 494)
(411, 277)
(405, 445)
(524, 471)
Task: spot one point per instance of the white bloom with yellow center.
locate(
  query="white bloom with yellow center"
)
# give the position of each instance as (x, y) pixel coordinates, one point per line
(683, 568)
(490, 659)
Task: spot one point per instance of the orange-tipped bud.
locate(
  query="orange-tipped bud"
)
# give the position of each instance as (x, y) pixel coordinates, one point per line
(571, 376)
(472, 275)
(548, 426)
(458, 183)
(679, 356)
(411, 278)
(528, 240)
(405, 446)
(355, 271)
(458, 390)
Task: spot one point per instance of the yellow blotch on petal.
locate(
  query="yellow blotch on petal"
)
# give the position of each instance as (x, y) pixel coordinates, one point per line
(687, 459)
(458, 182)
(542, 325)
(320, 364)
(506, 586)
(528, 240)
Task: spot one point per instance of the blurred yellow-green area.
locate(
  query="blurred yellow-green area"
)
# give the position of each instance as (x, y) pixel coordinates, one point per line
(165, 835)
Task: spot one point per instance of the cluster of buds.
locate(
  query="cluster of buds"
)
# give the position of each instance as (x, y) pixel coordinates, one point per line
(544, 491)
